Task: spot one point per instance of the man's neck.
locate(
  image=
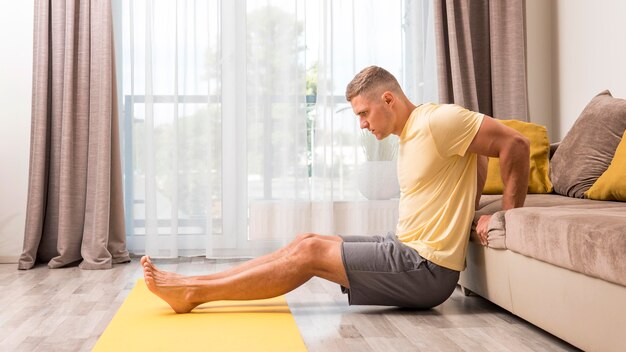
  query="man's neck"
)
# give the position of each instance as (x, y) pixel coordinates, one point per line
(404, 112)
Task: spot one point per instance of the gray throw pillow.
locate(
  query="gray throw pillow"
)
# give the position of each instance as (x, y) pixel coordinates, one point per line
(588, 148)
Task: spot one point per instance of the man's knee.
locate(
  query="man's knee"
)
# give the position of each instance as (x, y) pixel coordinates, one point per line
(309, 246)
(308, 235)
(313, 250)
(320, 257)
(307, 250)
(304, 236)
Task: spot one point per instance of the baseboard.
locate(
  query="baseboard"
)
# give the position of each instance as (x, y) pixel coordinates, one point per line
(9, 259)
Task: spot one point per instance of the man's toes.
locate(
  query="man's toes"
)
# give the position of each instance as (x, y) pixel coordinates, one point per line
(150, 283)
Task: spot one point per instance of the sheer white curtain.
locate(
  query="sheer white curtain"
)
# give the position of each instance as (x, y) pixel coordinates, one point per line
(235, 132)
(354, 34)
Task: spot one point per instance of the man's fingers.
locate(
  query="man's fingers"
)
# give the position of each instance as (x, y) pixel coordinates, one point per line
(484, 239)
(482, 230)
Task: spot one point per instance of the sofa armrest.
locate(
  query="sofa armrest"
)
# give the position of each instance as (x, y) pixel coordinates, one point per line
(496, 231)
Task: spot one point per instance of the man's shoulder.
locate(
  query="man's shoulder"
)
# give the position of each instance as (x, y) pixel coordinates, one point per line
(436, 109)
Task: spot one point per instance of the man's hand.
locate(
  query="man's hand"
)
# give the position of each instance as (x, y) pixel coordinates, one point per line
(482, 229)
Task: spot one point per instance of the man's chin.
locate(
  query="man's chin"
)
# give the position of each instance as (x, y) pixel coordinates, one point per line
(379, 136)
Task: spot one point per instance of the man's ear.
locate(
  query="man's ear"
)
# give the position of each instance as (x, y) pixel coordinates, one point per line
(388, 98)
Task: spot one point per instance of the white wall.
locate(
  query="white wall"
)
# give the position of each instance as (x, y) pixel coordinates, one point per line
(589, 55)
(539, 63)
(575, 50)
(16, 41)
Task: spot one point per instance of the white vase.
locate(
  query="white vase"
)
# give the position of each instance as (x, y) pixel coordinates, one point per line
(378, 180)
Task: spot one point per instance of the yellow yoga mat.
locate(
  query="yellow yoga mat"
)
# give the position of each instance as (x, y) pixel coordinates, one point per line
(146, 323)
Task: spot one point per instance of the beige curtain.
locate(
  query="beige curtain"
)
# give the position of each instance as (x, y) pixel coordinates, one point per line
(481, 54)
(75, 207)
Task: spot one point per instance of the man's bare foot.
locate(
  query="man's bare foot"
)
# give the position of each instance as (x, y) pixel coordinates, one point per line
(172, 289)
(146, 259)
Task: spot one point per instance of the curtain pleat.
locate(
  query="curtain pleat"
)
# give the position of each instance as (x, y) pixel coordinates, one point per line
(75, 209)
(508, 47)
(39, 137)
(481, 48)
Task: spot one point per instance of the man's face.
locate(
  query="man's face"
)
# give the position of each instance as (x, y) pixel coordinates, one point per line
(374, 114)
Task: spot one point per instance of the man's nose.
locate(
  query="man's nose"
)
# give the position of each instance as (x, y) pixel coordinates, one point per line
(365, 124)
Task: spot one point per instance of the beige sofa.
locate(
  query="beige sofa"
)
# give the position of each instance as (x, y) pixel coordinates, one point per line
(557, 263)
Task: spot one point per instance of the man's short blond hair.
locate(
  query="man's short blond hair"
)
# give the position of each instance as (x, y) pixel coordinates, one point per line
(372, 79)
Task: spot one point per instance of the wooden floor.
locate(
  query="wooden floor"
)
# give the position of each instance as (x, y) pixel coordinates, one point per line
(67, 310)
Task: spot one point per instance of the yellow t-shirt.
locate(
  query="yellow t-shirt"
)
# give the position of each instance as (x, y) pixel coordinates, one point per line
(438, 182)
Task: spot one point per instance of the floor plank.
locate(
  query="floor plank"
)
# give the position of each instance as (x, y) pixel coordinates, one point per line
(68, 309)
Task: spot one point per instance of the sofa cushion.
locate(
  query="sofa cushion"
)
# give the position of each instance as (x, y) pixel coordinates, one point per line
(587, 149)
(492, 204)
(589, 240)
(612, 184)
(489, 204)
(539, 178)
(496, 231)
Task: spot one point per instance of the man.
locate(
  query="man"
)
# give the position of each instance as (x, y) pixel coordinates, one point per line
(419, 265)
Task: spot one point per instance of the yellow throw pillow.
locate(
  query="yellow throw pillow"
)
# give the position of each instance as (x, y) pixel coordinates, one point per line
(611, 185)
(539, 178)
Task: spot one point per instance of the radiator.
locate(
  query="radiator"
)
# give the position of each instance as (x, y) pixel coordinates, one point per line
(285, 219)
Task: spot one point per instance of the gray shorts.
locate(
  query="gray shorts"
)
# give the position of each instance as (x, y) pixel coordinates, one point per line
(383, 271)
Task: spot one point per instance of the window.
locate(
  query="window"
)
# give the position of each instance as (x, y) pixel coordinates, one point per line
(228, 102)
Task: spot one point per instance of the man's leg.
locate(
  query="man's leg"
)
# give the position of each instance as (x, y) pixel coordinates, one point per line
(250, 263)
(310, 257)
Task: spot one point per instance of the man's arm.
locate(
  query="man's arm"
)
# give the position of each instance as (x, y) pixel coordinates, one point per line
(481, 170)
(493, 139)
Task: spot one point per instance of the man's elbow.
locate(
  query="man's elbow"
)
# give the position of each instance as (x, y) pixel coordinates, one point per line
(521, 145)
